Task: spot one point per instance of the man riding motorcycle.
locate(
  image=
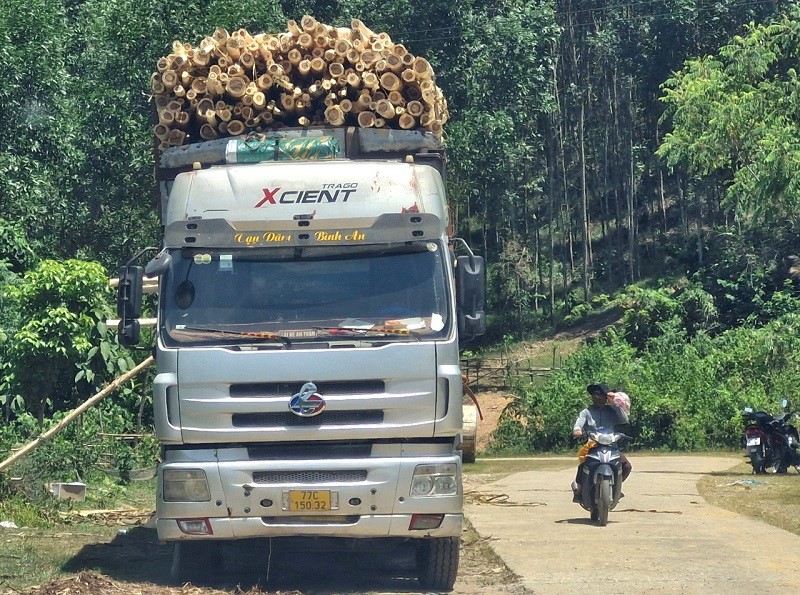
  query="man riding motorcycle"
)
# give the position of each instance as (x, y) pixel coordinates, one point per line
(608, 409)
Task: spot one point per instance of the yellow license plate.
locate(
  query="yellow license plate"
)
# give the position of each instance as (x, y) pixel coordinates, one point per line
(309, 500)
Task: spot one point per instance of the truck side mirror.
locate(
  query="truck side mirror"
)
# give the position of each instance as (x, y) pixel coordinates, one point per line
(471, 296)
(129, 304)
(129, 292)
(129, 333)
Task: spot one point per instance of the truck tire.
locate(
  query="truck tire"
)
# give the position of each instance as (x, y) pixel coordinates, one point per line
(469, 433)
(437, 563)
(193, 561)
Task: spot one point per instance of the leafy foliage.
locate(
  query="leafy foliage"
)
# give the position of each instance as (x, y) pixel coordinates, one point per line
(62, 307)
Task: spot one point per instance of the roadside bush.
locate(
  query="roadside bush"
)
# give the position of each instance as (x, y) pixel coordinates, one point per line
(687, 393)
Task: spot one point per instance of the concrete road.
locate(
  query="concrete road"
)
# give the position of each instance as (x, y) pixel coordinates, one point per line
(662, 537)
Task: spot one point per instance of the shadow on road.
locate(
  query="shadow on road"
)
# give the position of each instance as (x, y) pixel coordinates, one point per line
(578, 521)
(137, 556)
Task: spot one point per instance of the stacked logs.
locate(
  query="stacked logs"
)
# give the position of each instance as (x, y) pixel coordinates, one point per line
(313, 74)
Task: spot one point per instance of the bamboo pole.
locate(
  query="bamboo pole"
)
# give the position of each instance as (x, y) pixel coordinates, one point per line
(89, 403)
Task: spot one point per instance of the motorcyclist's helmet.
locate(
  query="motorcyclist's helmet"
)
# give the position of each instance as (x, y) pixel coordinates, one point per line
(599, 393)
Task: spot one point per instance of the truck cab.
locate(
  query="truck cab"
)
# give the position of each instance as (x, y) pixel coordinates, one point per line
(308, 381)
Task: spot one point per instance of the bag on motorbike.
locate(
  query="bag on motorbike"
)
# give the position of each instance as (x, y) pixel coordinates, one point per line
(623, 401)
(583, 451)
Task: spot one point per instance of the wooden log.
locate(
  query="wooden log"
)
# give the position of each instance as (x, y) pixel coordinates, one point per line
(308, 23)
(394, 63)
(304, 68)
(408, 76)
(380, 123)
(295, 56)
(334, 115)
(259, 100)
(182, 120)
(385, 109)
(366, 119)
(399, 50)
(161, 132)
(303, 121)
(236, 87)
(158, 87)
(414, 108)
(342, 47)
(234, 47)
(406, 121)
(364, 31)
(166, 117)
(169, 78)
(247, 60)
(370, 80)
(208, 132)
(390, 81)
(75, 413)
(264, 82)
(396, 98)
(176, 138)
(318, 65)
(336, 69)
(293, 27)
(422, 69)
(163, 64)
(235, 128)
(408, 60)
(161, 101)
(305, 41)
(199, 85)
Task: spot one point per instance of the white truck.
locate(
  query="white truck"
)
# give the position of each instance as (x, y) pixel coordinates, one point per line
(308, 381)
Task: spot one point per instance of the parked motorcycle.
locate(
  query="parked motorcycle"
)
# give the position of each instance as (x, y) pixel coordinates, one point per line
(771, 442)
(601, 483)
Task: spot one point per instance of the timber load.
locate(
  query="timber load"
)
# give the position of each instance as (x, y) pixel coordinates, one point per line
(233, 84)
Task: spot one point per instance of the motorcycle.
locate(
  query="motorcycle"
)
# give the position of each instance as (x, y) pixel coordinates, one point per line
(601, 484)
(771, 442)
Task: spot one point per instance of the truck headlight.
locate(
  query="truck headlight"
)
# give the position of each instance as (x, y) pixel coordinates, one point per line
(186, 485)
(434, 480)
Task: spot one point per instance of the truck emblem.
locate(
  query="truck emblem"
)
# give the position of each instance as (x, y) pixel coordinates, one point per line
(308, 402)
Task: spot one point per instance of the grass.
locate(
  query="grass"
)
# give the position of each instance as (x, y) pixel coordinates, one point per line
(774, 499)
(49, 540)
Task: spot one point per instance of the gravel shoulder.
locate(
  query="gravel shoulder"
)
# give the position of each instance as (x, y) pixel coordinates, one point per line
(663, 537)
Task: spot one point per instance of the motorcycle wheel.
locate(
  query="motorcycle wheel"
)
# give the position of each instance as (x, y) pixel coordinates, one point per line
(778, 464)
(757, 461)
(603, 502)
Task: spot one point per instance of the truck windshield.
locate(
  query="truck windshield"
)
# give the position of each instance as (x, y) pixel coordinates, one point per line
(284, 296)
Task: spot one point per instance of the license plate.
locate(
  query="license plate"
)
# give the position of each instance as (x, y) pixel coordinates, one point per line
(309, 500)
(755, 441)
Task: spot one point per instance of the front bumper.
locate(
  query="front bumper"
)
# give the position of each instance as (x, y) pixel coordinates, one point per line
(373, 492)
(365, 527)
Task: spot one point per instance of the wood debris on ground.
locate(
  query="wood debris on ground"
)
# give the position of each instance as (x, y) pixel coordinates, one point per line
(120, 516)
(91, 583)
(313, 74)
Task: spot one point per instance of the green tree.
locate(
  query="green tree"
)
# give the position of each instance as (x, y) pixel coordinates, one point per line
(735, 116)
(61, 307)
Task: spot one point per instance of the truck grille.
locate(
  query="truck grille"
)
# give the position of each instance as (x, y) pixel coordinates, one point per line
(294, 451)
(310, 476)
(326, 389)
(289, 419)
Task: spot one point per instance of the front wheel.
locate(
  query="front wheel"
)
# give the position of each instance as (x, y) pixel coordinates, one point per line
(603, 501)
(437, 563)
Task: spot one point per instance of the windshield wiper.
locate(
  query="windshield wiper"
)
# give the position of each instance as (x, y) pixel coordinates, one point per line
(351, 331)
(262, 335)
